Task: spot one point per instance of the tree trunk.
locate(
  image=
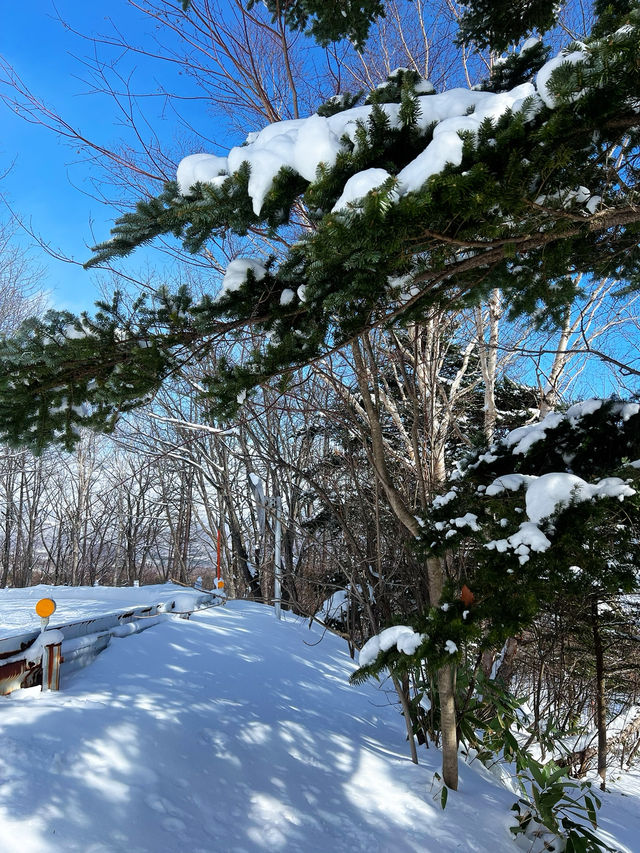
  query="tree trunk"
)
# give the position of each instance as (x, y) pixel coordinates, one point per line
(601, 705)
(406, 713)
(446, 689)
(549, 395)
(488, 353)
(8, 525)
(448, 725)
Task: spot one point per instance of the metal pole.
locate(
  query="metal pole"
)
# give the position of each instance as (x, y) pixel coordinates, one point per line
(277, 584)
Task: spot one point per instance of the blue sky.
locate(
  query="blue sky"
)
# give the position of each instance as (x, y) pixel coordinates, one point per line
(49, 184)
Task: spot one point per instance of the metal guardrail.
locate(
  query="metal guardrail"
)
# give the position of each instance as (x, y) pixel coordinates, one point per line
(27, 660)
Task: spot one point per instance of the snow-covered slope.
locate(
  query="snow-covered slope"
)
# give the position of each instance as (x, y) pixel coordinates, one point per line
(231, 733)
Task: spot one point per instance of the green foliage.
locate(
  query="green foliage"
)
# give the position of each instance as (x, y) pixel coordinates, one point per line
(45, 399)
(551, 805)
(507, 217)
(611, 14)
(505, 568)
(492, 728)
(398, 84)
(328, 20)
(444, 791)
(346, 263)
(64, 372)
(516, 68)
(147, 222)
(339, 103)
(488, 718)
(553, 802)
(487, 23)
(499, 23)
(451, 622)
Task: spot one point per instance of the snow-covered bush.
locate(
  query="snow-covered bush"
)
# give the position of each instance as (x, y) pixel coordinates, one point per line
(551, 510)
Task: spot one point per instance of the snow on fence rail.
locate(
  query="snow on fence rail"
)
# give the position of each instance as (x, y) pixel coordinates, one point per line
(37, 657)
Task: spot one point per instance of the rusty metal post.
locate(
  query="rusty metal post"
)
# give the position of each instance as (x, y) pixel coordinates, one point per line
(51, 659)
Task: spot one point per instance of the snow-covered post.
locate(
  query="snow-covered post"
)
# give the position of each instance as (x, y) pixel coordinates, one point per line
(277, 559)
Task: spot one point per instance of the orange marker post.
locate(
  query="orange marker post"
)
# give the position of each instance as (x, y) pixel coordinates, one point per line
(219, 581)
(51, 658)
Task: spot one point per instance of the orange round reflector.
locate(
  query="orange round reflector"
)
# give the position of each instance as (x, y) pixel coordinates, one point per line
(45, 607)
(220, 584)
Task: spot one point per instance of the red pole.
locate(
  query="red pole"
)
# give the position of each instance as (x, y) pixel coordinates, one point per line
(218, 556)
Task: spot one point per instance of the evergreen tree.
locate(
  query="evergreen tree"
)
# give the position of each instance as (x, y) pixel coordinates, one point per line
(425, 200)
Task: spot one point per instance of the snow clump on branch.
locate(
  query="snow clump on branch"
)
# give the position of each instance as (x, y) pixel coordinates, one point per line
(403, 637)
(236, 273)
(545, 495)
(302, 145)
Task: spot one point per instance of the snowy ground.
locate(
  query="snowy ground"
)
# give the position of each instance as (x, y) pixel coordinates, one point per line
(233, 733)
